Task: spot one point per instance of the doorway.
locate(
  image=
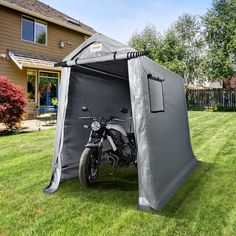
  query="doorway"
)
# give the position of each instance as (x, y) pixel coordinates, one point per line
(48, 91)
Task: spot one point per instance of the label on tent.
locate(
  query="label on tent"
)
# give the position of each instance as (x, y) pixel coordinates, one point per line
(96, 47)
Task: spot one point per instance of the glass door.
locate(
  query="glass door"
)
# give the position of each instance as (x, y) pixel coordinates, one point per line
(48, 91)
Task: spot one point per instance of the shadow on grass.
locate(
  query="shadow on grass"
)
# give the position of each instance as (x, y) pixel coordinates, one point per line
(119, 183)
(7, 132)
(123, 190)
(119, 190)
(15, 132)
(187, 198)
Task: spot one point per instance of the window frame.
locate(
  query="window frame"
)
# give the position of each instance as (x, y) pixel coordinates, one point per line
(159, 80)
(35, 21)
(50, 71)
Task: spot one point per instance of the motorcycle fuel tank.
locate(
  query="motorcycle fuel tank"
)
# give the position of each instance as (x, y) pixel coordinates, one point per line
(116, 127)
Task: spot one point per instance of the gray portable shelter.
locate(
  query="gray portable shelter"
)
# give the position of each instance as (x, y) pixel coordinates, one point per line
(105, 76)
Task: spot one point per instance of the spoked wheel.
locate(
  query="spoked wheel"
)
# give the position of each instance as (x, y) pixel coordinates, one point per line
(88, 168)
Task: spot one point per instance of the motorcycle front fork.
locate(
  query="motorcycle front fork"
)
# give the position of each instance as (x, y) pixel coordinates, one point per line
(100, 145)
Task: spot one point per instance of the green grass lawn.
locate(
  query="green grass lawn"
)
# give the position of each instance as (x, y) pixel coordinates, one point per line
(205, 204)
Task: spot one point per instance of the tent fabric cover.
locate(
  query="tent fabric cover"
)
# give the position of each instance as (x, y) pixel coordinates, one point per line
(156, 97)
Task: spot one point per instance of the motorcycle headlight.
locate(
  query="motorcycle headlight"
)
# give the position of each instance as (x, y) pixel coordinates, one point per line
(95, 126)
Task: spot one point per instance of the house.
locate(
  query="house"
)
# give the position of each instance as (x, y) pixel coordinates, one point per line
(33, 37)
(226, 84)
(213, 85)
(206, 85)
(230, 83)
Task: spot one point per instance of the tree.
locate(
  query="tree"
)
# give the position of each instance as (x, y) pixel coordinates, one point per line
(41, 38)
(170, 53)
(12, 103)
(146, 40)
(180, 49)
(220, 34)
(188, 29)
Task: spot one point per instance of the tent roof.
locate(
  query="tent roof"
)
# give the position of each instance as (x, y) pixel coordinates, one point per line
(107, 44)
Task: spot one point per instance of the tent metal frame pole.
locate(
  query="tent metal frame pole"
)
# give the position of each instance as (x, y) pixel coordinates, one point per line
(111, 57)
(102, 72)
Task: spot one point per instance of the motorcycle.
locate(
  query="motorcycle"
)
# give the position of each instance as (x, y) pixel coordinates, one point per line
(108, 144)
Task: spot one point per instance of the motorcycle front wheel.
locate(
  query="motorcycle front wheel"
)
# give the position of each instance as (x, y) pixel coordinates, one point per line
(88, 169)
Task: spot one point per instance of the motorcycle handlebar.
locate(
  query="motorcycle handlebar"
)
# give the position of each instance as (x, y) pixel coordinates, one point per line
(85, 117)
(117, 119)
(90, 118)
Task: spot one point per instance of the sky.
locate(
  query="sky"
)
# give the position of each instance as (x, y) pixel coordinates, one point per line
(120, 18)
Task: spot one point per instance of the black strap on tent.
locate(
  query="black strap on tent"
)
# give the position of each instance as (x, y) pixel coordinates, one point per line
(150, 76)
(114, 56)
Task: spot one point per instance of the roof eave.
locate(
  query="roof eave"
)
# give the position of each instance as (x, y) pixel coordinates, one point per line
(22, 65)
(23, 10)
(25, 65)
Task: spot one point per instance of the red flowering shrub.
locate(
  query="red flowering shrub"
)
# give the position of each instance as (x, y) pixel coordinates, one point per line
(12, 103)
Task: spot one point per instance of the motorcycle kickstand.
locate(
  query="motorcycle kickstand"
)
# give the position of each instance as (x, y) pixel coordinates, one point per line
(113, 172)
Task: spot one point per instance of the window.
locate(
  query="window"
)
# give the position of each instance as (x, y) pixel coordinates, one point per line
(27, 29)
(34, 31)
(31, 82)
(156, 94)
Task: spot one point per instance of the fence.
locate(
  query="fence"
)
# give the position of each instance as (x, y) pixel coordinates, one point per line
(216, 99)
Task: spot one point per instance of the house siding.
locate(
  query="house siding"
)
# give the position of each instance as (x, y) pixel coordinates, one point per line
(10, 24)
(9, 69)
(10, 38)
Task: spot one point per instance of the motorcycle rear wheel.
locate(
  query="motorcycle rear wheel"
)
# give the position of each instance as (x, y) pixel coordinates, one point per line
(88, 169)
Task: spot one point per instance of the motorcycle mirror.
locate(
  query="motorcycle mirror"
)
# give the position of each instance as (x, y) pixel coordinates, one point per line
(124, 110)
(84, 109)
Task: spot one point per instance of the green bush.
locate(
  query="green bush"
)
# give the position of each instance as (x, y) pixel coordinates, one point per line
(12, 103)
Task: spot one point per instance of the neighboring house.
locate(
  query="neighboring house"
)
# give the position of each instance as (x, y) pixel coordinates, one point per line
(231, 83)
(206, 85)
(33, 37)
(213, 85)
(227, 83)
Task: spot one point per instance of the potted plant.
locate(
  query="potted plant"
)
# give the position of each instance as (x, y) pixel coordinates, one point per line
(54, 102)
(31, 97)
